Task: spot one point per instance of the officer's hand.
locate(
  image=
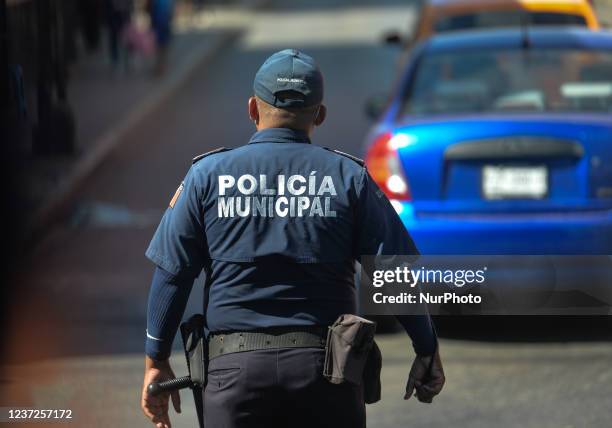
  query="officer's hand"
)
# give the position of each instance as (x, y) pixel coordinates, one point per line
(427, 381)
(156, 408)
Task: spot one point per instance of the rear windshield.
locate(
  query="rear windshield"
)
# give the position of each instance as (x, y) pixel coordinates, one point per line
(505, 19)
(523, 80)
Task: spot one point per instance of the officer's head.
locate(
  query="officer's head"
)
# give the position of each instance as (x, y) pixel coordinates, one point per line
(288, 92)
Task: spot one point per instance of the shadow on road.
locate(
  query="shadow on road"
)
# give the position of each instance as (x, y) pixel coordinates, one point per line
(515, 329)
(526, 328)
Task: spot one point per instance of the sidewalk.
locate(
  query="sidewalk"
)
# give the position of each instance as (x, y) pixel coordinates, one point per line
(108, 103)
(603, 8)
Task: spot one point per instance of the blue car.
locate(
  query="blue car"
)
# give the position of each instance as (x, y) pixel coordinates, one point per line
(500, 142)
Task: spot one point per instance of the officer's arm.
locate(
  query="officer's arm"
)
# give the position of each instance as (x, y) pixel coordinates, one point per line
(381, 232)
(167, 301)
(178, 250)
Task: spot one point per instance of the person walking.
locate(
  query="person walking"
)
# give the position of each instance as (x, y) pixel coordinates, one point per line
(118, 14)
(277, 226)
(161, 13)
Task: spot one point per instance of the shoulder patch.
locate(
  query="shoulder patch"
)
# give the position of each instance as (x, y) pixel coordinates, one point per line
(212, 152)
(347, 155)
(176, 194)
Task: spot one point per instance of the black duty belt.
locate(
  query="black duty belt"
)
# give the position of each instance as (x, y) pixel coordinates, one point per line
(227, 343)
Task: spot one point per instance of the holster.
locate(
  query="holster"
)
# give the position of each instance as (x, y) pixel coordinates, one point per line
(351, 355)
(194, 342)
(196, 352)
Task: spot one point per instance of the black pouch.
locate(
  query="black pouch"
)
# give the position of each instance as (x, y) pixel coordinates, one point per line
(371, 376)
(351, 355)
(195, 345)
(196, 351)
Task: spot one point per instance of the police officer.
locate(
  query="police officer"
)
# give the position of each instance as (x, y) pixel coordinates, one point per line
(277, 225)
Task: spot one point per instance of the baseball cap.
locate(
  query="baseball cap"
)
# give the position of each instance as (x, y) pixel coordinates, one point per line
(289, 78)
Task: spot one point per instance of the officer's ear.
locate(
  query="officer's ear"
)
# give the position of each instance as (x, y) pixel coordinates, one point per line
(253, 110)
(321, 115)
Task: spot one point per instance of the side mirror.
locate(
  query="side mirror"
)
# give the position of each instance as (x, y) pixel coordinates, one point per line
(393, 38)
(375, 106)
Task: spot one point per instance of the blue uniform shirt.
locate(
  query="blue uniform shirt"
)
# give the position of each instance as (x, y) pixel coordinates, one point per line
(277, 225)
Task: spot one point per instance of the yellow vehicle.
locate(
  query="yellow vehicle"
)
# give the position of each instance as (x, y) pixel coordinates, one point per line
(439, 16)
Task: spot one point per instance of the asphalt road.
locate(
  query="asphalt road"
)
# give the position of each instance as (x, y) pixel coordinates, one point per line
(87, 282)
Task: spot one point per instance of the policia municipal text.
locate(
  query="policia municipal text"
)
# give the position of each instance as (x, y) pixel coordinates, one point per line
(277, 226)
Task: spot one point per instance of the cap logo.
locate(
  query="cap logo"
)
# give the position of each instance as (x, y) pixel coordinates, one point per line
(290, 80)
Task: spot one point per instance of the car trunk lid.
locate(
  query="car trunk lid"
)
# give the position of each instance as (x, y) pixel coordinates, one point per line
(515, 163)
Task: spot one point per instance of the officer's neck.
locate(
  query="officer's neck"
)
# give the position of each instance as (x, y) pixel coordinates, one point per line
(261, 127)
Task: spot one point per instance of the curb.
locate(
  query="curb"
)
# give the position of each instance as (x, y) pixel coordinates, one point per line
(56, 204)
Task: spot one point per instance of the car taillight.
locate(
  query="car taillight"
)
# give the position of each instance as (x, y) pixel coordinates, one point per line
(385, 168)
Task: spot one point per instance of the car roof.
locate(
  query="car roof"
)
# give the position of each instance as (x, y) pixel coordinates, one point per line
(538, 37)
(494, 3)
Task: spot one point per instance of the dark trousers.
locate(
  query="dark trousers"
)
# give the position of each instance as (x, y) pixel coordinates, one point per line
(116, 23)
(278, 388)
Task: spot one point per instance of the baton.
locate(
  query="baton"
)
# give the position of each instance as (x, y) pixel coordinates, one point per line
(156, 388)
(192, 334)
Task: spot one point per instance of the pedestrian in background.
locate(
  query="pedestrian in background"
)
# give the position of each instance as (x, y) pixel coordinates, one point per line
(198, 4)
(91, 17)
(161, 13)
(118, 15)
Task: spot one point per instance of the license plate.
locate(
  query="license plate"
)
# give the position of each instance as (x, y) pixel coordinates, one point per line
(512, 182)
